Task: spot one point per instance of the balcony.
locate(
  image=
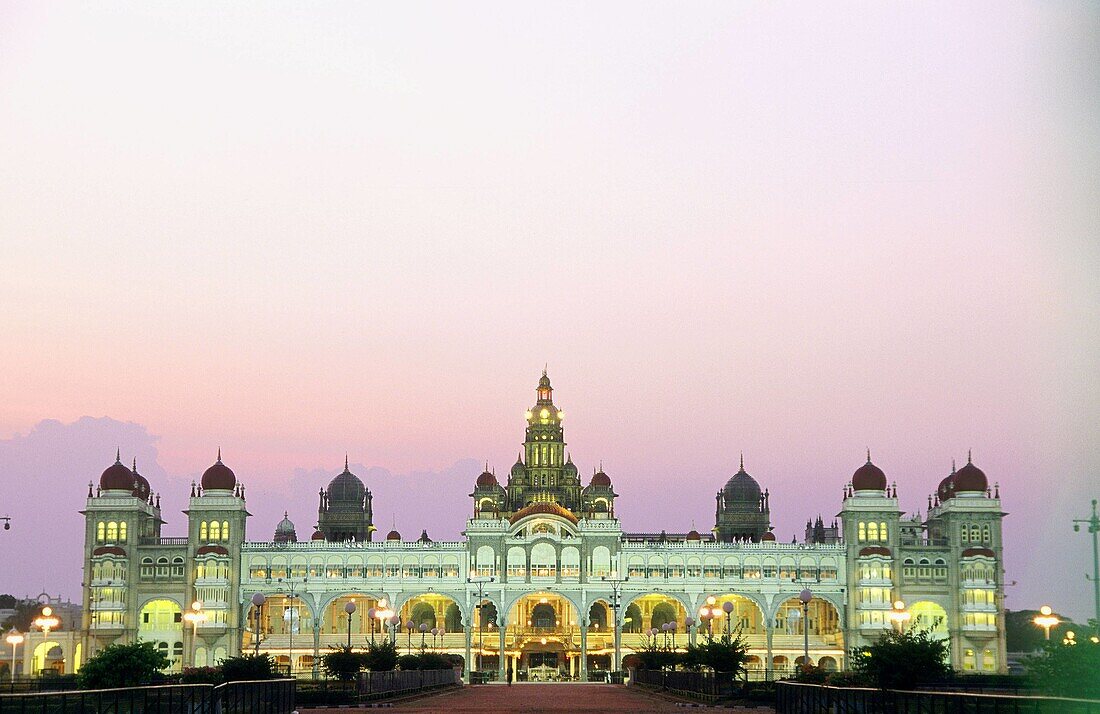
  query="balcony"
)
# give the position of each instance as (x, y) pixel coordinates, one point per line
(153, 540)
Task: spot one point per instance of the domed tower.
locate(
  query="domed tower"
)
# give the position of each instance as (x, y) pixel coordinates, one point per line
(544, 474)
(743, 511)
(599, 496)
(345, 511)
(488, 495)
(284, 532)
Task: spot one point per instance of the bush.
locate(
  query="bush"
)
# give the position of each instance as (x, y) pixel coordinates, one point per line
(725, 654)
(846, 679)
(903, 660)
(123, 666)
(408, 662)
(380, 656)
(434, 660)
(247, 667)
(343, 663)
(811, 674)
(201, 675)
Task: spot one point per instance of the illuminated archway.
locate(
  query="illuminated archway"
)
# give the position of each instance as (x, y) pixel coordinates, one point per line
(434, 611)
(824, 619)
(929, 616)
(48, 655)
(654, 610)
(161, 621)
(745, 615)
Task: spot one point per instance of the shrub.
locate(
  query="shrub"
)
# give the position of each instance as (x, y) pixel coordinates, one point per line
(408, 662)
(343, 663)
(434, 660)
(380, 656)
(725, 654)
(1065, 670)
(201, 675)
(902, 660)
(123, 666)
(247, 667)
(811, 674)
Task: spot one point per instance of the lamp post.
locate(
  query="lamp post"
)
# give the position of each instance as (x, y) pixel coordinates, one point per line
(1046, 620)
(480, 582)
(1092, 524)
(258, 601)
(616, 584)
(372, 612)
(727, 607)
(46, 621)
(688, 622)
(14, 638)
(395, 623)
(805, 596)
(350, 610)
(899, 615)
(194, 616)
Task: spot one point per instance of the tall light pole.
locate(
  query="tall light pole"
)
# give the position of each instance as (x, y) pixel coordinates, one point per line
(899, 615)
(480, 582)
(805, 596)
(616, 584)
(258, 601)
(195, 615)
(1093, 525)
(1046, 620)
(14, 638)
(350, 610)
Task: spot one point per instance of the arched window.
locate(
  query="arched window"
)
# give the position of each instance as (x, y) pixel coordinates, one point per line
(225, 530)
(112, 531)
(975, 534)
(202, 531)
(215, 531)
(100, 531)
(872, 531)
(601, 561)
(882, 532)
(986, 534)
(862, 531)
(146, 567)
(122, 532)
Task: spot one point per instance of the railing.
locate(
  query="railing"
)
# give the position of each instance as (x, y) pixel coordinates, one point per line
(153, 540)
(699, 685)
(796, 698)
(380, 685)
(258, 697)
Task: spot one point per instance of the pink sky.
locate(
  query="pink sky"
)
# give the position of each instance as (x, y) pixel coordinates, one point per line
(298, 230)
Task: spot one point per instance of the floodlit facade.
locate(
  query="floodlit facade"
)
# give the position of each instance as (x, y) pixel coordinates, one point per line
(545, 572)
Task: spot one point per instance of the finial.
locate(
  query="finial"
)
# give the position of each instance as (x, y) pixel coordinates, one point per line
(345, 461)
(742, 460)
(868, 454)
(219, 454)
(952, 466)
(118, 455)
(544, 366)
(135, 465)
(286, 514)
(968, 456)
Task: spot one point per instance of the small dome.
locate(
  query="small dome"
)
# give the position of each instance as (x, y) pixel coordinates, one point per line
(393, 535)
(284, 532)
(768, 537)
(117, 478)
(570, 467)
(693, 535)
(518, 469)
(601, 480)
(218, 477)
(317, 535)
(543, 507)
(486, 480)
(970, 479)
(869, 477)
(946, 489)
(424, 537)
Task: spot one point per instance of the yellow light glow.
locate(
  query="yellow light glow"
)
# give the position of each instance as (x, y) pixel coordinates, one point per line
(1045, 610)
(14, 639)
(561, 415)
(382, 602)
(543, 640)
(711, 600)
(544, 413)
(47, 611)
(528, 414)
(196, 605)
(542, 600)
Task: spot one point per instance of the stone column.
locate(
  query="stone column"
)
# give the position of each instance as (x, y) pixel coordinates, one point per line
(316, 648)
(501, 662)
(584, 650)
(469, 653)
(768, 632)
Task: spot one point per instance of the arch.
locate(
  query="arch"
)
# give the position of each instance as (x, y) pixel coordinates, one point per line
(48, 655)
(570, 562)
(434, 610)
(747, 615)
(160, 620)
(543, 611)
(929, 616)
(598, 615)
(453, 621)
(544, 560)
(543, 615)
(334, 618)
(827, 663)
(662, 613)
(517, 562)
(632, 619)
(824, 617)
(662, 607)
(485, 561)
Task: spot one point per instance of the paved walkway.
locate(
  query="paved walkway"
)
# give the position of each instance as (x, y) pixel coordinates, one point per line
(524, 697)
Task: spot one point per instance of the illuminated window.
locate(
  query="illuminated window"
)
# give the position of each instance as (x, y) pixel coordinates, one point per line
(989, 662)
(225, 530)
(202, 531)
(882, 532)
(100, 531)
(986, 534)
(122, 532)
(872, 532)
(215, 531)
(862, 531)
(112, 531)
(968, 660)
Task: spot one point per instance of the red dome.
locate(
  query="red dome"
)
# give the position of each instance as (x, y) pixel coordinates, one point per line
(970, 478)
(946, 489)
(869, 477)
(219, 477)
(118, 478)
(486, 480)
(769, 537)
(393, 535)
(600, 479)
(693, 535)
(317, 535)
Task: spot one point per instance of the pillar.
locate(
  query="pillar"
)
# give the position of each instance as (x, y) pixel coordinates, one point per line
(769, 630)
(572, 666)
(584, 650)
(316, 647)
(469, 653)
(500, 659)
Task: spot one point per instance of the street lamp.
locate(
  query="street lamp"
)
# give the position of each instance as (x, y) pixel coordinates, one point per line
(805, 596)
(395, 623)
(616, 584)
(899, 615)
(14, 638)
(372, 612)
(1093, 526)
(688, 622)
(46, 621)
(480, 582)
(727, 607)
(258, 601)
(350, 610)
(194, 616)
(1046, 620)
(410, 626)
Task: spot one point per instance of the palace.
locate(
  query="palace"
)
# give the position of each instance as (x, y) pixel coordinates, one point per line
(545, 581)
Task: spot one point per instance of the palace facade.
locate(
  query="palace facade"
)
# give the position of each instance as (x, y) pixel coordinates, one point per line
(545, 574)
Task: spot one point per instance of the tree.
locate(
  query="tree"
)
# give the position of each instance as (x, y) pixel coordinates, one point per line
(725, 654)
(343, 663)
(1066, 670)
(902, 660)
(380, 656)
(1023, 635)
(123, 666)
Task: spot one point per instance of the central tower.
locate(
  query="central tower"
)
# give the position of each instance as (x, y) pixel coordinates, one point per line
(547, 474)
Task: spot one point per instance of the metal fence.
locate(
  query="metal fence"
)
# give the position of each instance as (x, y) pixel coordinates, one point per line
(379, 685)
(700, 685)
(258, 697)
(797, 698)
